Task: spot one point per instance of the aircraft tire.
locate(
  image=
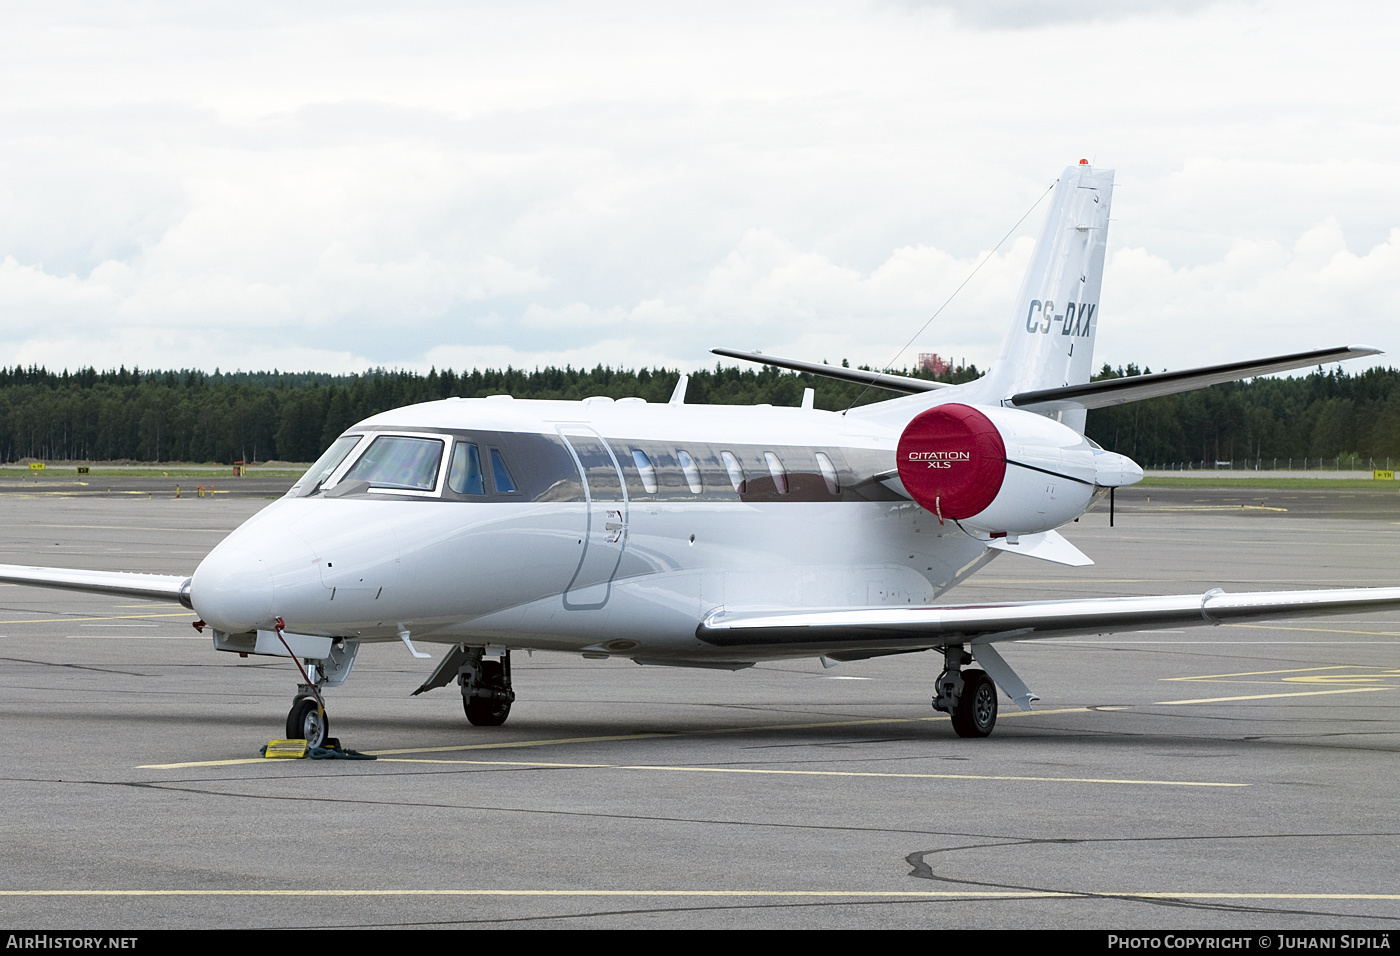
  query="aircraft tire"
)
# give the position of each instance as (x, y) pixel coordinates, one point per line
(305, 721)
(976, 714)
(484, 711)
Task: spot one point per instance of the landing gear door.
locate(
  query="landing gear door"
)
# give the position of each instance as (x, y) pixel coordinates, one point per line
(605, 535)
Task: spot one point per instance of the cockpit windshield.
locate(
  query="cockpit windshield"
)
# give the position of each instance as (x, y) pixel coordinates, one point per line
(327, 463)
(399, 462)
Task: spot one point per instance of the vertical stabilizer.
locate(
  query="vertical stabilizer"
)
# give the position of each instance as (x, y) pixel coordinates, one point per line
(1051, 339)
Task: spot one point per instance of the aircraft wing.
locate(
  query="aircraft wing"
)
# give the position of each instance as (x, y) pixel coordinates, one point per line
(865, 632)
(161, 587)
(1135, 388)
(895, 383)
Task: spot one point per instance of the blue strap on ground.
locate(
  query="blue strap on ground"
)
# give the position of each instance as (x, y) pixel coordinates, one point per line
(337, 753)
(329, 753)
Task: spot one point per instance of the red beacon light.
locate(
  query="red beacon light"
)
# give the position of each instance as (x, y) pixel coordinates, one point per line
(1084, 162)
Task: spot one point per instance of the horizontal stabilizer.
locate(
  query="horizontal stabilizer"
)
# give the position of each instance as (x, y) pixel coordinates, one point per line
(909, 628)
(1119, 391)
(159, 587)
(1047, 546)
(895, 383)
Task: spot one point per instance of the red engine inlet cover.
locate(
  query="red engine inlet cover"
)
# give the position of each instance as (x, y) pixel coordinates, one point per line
(952, 460)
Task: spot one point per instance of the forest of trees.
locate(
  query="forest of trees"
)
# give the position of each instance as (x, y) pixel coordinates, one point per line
(1325, 415)
(258, 416)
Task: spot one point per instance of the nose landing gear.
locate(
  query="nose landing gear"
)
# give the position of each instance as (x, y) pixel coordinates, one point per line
(307, 721)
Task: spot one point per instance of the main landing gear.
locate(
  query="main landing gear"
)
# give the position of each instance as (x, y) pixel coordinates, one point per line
(969, 696)
(486, 693)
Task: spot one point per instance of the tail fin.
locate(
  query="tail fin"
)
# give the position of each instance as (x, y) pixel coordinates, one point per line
(1051, 339)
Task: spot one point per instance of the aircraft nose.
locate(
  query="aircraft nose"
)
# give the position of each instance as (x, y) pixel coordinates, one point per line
(232, 590)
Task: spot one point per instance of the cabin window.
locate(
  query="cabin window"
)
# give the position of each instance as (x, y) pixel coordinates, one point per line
(399, 463)
(775, 468)
(645, 469)
(833, 487)
(465, 476)
(329, 461)
(736, 471)
(692, 473)
(504, 484)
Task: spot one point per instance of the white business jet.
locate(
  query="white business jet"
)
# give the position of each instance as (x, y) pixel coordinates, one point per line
(713, 536)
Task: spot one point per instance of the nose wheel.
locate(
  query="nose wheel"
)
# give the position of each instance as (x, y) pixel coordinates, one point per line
(307, 720)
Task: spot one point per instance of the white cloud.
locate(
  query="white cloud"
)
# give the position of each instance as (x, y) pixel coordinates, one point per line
(1028, 14)
(628, 182)
(1261, 298)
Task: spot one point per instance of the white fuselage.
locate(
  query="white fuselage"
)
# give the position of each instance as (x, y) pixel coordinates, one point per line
(594, 565)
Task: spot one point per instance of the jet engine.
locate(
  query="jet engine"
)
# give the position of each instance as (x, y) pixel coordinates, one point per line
(1002, 471)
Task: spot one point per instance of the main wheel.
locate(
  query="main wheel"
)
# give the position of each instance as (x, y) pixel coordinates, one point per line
(976, 713)
(306, 721)
(487, 711)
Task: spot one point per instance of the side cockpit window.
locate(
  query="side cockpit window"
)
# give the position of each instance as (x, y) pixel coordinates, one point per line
(399, 463)
(505, 485)
(465, 476)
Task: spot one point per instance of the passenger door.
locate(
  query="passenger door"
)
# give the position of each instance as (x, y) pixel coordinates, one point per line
(605, 534)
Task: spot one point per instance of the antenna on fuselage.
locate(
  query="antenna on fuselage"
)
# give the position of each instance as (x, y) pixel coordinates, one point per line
(678, 393)
(937, 312)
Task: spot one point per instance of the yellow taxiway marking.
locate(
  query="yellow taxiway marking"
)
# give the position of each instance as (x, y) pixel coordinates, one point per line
(549, 742)
(711, 894)
(1290, 670)
(135, 637)
(1342, 678)
(395, 756)
(1077, 580)
(666, 768)
(1304, 693)
(1217, 508)
(1381, 676)
(119, 617)
(77, 493)
(123, 527)
(1304, 675)
(1318, 630)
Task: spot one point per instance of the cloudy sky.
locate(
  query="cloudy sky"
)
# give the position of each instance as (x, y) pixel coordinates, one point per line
(339, 185)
